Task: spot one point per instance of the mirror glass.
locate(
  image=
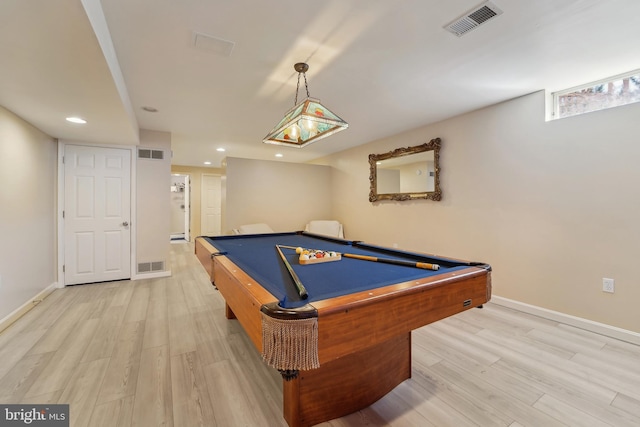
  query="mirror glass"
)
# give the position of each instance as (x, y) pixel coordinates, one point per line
(406, 173)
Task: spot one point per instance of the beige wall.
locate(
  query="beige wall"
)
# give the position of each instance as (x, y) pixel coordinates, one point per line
(284, 195)
(552, 206)
(28, 176)
(153, 180)
(195, 175)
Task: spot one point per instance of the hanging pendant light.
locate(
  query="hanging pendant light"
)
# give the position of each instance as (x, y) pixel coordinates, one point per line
(307, 121)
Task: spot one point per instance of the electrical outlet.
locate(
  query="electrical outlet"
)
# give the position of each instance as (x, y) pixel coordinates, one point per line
(608, 285)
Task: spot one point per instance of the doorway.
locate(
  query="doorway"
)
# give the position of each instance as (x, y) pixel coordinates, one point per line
(180, 208)
(96, 214)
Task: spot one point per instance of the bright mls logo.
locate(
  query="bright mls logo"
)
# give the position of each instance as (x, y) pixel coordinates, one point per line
(34, 415)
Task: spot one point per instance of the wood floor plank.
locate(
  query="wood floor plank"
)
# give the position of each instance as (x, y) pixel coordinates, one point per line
(621, 379)
(103, 297)
(156, 332)
(56, 375)
(430, 407)
(137, 307)
(181, 334)
(116, 413)
(627, 404)
(43, 399)
(501, 402)
(422, 354)
(123, 293)
(153, 404)
(518, 389)
(454, 396)
(82, 390)
(177, 304)
(562, 339)
(62, 327)
(545, 366)
(20, 344)
(394, 411)
(605, 413)
(191, 401)
(122, 374)
(567, 414)
(468, 344)
(231, 405)
(106, 337)
(193, 296)
(15, 384)
(157, 307)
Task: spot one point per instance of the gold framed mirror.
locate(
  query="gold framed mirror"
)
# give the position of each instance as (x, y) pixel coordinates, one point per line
(406, 173)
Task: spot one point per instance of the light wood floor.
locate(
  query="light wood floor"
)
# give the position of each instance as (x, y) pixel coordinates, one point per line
(160, 352)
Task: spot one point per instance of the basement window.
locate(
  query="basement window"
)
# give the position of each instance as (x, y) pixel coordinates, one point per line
(607, 93)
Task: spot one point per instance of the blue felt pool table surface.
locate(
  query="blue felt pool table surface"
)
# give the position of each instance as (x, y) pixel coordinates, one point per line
(257, 256)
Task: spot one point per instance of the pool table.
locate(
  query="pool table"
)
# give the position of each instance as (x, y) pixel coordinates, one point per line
(354, 326)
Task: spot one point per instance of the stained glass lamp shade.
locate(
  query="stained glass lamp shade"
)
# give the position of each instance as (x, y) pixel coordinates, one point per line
(307, 122)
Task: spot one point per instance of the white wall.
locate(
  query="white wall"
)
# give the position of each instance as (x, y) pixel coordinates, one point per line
(552, 206)
(284, 195)
(28, 159)
(153, 212)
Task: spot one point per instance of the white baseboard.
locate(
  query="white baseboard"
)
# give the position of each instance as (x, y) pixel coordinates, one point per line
(153, 275)
(578, 322)
(24, 308)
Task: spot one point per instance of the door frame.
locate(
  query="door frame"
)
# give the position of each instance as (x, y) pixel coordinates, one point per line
(187, 204)
(60, 204)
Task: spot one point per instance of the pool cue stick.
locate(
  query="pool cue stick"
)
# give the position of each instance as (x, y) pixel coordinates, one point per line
(302, 291)
(424, 265)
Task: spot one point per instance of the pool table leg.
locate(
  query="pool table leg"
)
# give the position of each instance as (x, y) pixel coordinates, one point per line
(228, 313)
(348, 384)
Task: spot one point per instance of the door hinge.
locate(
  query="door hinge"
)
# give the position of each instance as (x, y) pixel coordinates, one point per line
(62, 214)
(63, 268)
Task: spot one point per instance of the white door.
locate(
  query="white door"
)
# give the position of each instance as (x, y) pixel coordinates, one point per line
(210, 206)
(97, 213)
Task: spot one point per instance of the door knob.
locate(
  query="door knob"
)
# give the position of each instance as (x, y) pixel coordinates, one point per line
(125, 223)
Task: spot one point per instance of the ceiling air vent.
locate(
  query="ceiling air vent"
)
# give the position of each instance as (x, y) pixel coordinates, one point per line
(472, 19)
(213, 44)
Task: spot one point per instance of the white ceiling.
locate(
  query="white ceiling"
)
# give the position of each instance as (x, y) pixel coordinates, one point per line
(384, 66)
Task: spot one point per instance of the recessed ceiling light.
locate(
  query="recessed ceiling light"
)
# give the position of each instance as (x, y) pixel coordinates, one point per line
(77, 120)
(279, 155)
(207, 163)
(150, 109)
(222, 150)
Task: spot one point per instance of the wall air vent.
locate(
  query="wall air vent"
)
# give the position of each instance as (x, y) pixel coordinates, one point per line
(148, 267)
(146, 153)
(473, 19)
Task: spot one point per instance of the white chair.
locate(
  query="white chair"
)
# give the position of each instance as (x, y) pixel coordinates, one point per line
(326, 228)
(260, 228)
